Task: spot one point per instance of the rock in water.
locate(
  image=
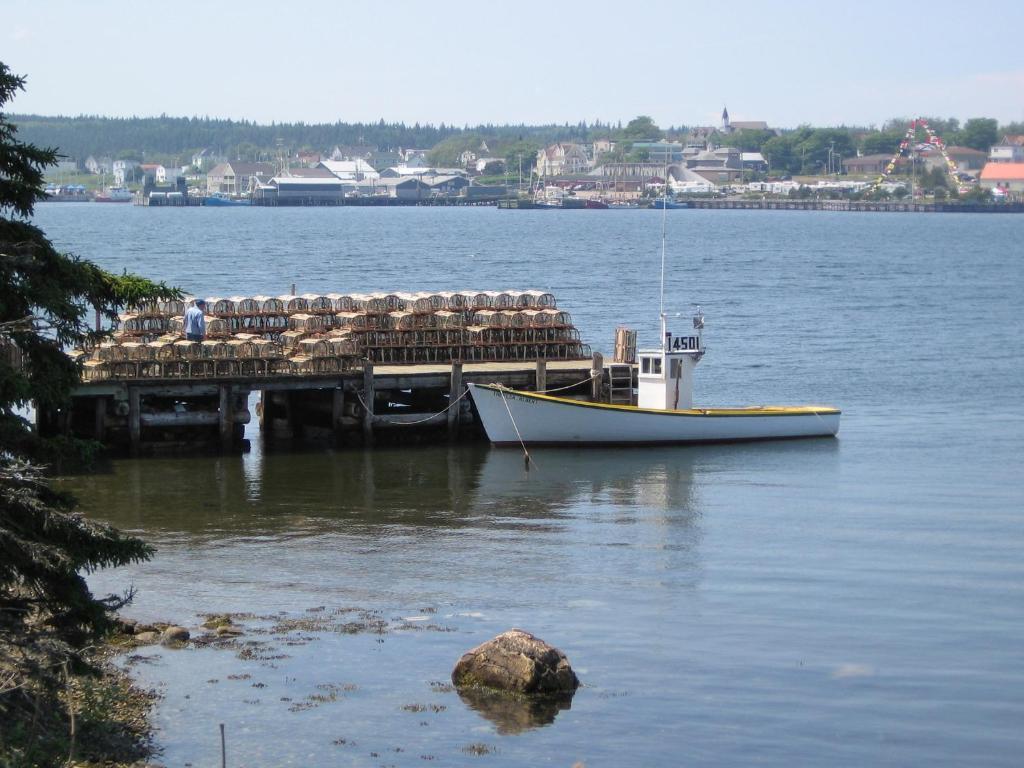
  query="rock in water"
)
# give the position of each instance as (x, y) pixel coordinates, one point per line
(174, 636)
(518, 662)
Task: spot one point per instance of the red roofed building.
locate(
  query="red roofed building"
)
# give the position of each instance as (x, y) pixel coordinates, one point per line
(1006, 176)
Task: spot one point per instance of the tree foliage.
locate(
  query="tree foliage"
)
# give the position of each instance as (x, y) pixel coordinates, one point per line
(178, 137)
(640, 128)
(44, 547)
(979, 133)
(881, 142)
(809, 150)
(45, 302)
(746, 139)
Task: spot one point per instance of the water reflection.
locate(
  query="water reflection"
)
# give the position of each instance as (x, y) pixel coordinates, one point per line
(651, 479)
(514, 714)
(358, 491)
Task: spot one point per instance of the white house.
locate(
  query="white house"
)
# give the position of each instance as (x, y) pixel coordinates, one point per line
(203, 159)
(1009, 150)
(122, 170)
(100, 165)
(415, 156)
(236, 178)
(167, 173)
(562, 158)
(602, 147)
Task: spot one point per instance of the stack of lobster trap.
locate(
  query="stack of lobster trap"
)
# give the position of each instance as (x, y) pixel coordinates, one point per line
(332, 333)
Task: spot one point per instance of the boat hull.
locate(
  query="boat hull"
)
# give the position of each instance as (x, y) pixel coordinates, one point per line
(225, 202)
(510, 418)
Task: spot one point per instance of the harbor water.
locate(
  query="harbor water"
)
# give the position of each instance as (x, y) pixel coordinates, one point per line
(857, 601)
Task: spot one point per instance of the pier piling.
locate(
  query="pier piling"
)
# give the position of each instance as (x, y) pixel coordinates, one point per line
(454, 392)
(369, 394)
(134, 419)
(226, 422)
(337, 408)
(596, 377)
(100, 418)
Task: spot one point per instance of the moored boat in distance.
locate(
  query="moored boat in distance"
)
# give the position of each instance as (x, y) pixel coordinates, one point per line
(221, 200)
(114, 195)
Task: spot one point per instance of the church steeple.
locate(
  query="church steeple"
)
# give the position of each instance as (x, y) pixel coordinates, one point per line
(725, 117)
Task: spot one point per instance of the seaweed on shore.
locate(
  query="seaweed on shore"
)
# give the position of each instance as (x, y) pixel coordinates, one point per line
(54, 710)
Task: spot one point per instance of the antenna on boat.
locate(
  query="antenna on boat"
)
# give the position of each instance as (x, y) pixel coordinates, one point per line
(664, 211)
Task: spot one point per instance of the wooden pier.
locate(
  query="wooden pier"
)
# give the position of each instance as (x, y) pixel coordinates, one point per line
(404, 402)
(347, 366)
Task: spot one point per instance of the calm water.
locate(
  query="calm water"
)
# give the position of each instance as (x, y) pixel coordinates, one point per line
(857, 601)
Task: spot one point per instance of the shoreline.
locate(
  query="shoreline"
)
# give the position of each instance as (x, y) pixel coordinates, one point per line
(84, 711)
(780, 204)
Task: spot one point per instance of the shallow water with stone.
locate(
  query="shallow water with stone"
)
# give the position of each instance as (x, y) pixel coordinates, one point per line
(830, 602)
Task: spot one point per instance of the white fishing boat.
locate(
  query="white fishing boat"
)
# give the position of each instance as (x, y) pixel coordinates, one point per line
(664, 412)
(513, 418)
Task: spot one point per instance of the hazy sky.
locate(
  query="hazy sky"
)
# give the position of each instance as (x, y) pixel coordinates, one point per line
(823, 63)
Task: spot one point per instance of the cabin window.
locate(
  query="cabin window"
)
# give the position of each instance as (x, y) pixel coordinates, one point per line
(645, 365)
(657, 366)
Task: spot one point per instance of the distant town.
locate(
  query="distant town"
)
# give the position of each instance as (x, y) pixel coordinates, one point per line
(583, 166)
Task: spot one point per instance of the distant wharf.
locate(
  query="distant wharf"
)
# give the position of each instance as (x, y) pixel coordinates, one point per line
(193, 201)
(855, 205)
(788, 205)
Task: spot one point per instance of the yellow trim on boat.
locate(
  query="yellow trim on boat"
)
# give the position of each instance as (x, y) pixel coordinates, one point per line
(750, 410)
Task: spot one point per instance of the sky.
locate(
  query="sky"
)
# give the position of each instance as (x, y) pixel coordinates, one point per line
(788, 62)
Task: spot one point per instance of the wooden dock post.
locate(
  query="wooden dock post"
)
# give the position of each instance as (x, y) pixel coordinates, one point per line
(542, 376)
(134, 418)
(289, 414)
(597, 374)
(226, 419)
(368, 397)
(454, 392)
(101, 418)
(337, 407)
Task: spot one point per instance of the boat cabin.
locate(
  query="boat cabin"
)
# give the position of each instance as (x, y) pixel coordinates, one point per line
(665, 379)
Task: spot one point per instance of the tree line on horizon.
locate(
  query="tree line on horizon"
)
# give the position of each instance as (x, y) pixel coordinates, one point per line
(175, 139)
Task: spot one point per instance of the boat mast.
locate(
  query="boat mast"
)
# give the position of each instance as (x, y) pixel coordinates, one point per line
(664, 211)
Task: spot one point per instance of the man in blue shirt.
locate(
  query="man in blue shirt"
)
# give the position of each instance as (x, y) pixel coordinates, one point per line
(195, 322)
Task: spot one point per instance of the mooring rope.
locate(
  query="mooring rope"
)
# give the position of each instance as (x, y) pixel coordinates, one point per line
(589, 378)
(526, 453)
(465, 392)
(413, 423)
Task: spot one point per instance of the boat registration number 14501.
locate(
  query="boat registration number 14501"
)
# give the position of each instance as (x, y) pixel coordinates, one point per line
(684, 343)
